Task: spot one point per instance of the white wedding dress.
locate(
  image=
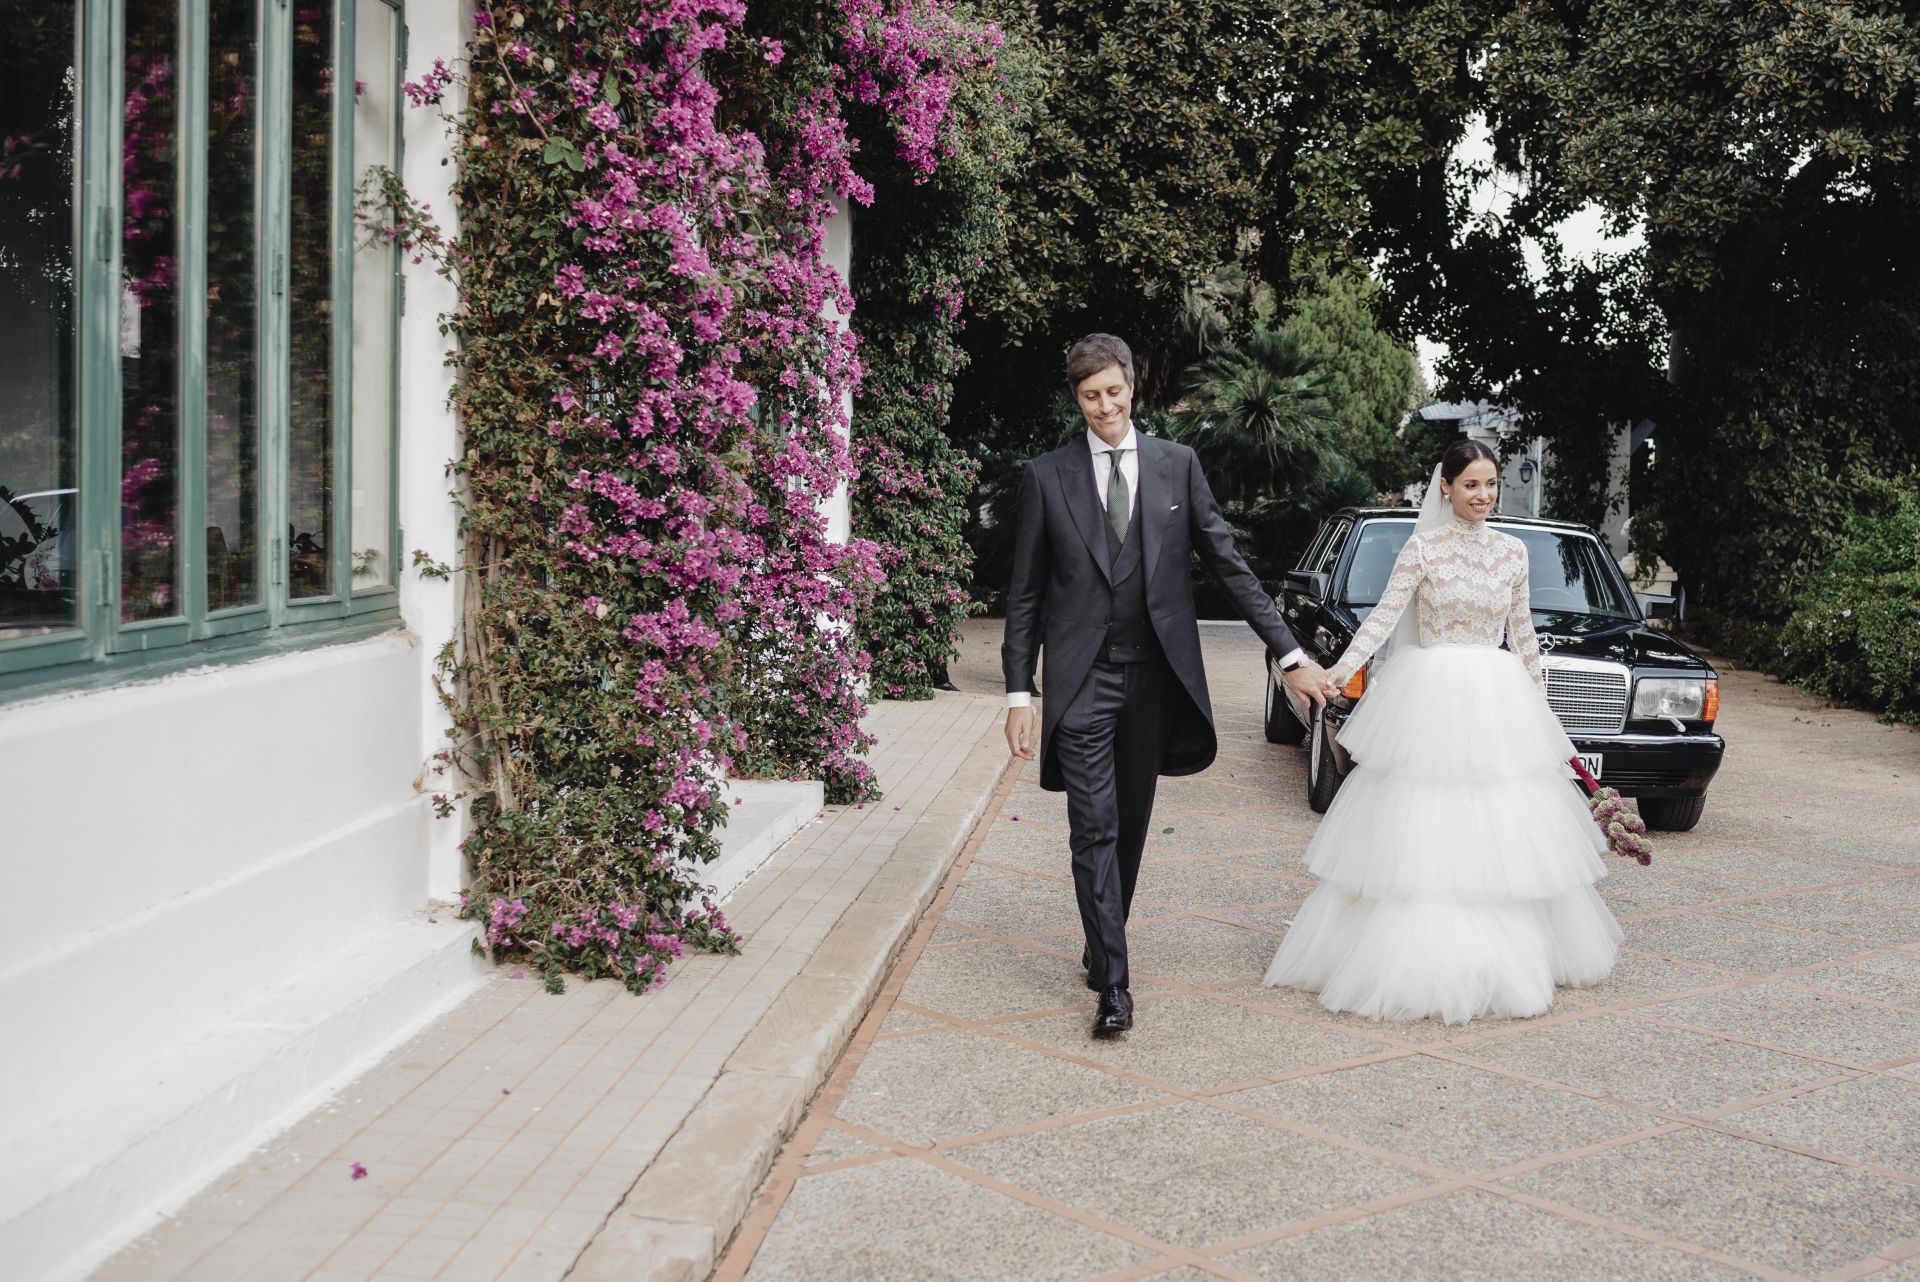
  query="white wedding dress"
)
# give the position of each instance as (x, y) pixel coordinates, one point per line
(1457, 861)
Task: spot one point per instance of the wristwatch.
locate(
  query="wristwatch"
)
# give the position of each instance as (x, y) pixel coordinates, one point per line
(1294, 666)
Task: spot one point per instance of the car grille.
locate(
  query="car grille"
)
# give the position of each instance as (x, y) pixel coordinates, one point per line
(1588, 700)
(1625, 779)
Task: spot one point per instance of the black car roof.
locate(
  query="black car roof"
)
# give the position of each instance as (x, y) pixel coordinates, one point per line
(1410, 513)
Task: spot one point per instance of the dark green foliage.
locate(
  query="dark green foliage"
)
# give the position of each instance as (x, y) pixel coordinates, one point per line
(1256, 413)
(1370, 378)
(1770, 325)
(927, 243)
(1854, 634)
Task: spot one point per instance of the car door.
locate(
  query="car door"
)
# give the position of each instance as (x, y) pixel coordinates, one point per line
(1304, 611)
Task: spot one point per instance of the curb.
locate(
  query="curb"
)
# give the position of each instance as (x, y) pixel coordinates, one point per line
(677, 1218)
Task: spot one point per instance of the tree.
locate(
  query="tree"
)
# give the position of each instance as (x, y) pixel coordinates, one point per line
(1256, 413)
(1170, 146)
(1770, 325)
(1370, 378)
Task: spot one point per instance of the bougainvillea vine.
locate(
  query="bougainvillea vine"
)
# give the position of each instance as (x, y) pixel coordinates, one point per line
(654, 392)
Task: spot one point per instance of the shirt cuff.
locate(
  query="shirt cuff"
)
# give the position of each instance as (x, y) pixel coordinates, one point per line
(1019, 699)
(1293, 656)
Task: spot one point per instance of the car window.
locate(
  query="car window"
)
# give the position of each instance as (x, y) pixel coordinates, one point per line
(1312, 554)
(1375, 549)
(1572, 574)
(1330, 550)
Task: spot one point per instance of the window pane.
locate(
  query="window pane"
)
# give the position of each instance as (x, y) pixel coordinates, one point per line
(233, 405)
(310, 408)
(39, 504)
(373, 288)
(149, 253)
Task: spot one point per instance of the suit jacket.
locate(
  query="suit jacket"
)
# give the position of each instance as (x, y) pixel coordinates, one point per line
(1060, 591)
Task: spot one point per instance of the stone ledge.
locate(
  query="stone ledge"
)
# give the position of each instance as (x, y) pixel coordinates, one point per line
(681, 1213)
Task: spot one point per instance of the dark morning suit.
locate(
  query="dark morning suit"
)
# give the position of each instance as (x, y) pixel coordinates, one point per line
(1126, 692)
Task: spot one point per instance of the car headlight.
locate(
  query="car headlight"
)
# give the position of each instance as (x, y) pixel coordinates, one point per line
(1661, 697)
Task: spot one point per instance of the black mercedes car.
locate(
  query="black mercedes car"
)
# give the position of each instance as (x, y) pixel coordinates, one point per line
(1638, 705)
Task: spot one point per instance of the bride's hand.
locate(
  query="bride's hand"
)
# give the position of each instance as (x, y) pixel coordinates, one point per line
(1309, 681)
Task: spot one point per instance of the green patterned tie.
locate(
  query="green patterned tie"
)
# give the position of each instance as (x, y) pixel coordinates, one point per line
(1117, 502)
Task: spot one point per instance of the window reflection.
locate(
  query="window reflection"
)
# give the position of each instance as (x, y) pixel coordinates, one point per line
(233, 281)
(149, 302)
(310, 365)
(39, 502)
(374, 121)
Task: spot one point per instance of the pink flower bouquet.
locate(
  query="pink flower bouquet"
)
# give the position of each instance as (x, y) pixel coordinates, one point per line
(1626, 832)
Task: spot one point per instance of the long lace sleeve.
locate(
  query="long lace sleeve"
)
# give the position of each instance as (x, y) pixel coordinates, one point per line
(1408, 569)
(1521, 638)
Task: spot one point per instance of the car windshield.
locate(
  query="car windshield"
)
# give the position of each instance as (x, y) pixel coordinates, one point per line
(1568, 572)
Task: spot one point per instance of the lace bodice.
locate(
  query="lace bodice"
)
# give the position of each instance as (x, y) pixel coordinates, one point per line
(1471, 586)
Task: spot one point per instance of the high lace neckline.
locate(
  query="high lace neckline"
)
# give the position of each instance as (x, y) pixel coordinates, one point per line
(1471, 529)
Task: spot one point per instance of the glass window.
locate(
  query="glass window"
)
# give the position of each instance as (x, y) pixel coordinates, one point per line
(375, 119)
(1374, 553)
(232, 306)
(180, 461)
(39, 414)
(1573, 574)
(1330, 550)
(149, 321)
(310, 298)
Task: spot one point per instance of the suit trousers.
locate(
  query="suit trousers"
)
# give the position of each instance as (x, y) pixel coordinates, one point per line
(1110, 744)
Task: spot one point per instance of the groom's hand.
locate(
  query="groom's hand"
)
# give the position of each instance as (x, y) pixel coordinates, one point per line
(1020, 732)
(1310, 682)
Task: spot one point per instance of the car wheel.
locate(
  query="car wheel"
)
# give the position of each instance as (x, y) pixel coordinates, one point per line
(1323, 772)
(1282, 725)
(1673, 814)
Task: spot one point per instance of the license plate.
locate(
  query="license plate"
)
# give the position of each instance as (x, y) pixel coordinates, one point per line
(1591, 760)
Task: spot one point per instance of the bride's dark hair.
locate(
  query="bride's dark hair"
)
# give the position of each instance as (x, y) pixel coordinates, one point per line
(1463, 452)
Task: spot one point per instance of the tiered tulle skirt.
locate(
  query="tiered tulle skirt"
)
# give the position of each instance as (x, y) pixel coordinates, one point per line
(1457, 861)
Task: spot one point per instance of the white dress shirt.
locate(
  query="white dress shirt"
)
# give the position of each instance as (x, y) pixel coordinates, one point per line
(1130, 469)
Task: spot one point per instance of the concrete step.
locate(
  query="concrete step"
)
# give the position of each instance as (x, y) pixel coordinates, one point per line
(762, 814)
(78, 1186)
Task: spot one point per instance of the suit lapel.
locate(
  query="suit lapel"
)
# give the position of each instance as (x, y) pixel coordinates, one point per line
(1153, 510)
(1076, 478)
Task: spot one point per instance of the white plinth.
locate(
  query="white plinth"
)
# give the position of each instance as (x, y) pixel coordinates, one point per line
(766, 814)
(78, 1186)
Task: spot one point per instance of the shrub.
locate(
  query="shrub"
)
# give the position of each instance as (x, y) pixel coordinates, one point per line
(1854, 634)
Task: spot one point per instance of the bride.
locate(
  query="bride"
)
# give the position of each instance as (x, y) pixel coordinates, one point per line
(1457, 861)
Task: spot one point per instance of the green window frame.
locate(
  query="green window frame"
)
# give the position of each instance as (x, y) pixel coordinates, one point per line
(107, 642)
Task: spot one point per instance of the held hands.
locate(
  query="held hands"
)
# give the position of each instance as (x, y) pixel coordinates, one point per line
(1020, 734)
(1313, 683)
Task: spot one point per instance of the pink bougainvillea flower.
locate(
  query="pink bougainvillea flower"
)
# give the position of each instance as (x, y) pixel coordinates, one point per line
(358, 1172)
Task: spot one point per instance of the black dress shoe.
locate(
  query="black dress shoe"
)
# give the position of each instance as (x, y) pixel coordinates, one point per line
(1086, 964)
(1115, 1015)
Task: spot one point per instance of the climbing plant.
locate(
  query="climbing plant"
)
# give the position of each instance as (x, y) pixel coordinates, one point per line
(654, 388)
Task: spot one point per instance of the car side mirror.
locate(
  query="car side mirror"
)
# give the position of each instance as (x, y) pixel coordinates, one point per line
(1307, 583)
(1658, 607)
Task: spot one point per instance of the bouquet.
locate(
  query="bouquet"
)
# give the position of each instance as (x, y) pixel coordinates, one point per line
(1626, 832)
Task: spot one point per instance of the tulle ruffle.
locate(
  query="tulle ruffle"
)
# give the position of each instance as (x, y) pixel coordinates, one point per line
(1457, 861)
(1410, 958)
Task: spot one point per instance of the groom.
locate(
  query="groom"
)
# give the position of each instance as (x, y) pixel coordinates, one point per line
(1100, 578)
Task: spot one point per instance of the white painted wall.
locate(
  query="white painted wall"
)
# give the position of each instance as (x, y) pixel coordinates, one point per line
(840, 258)
(429, 428)
(231, 849)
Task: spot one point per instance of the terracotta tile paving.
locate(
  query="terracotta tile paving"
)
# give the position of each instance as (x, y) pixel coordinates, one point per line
(1740, 1099)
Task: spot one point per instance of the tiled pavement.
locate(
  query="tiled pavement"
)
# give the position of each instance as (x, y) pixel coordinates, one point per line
(1740, 1099)
(499, 1140)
